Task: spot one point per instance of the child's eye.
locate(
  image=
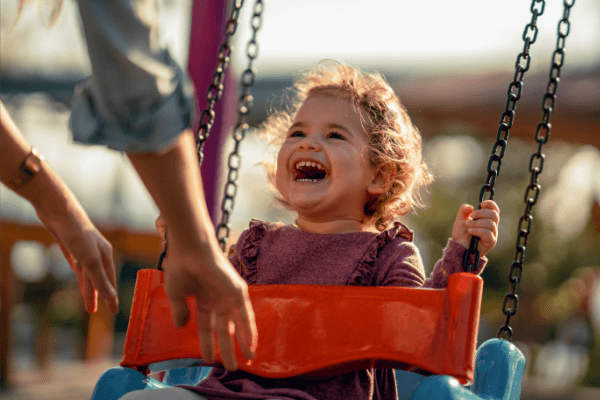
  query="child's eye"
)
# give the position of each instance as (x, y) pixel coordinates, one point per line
(296, 134)
(335, 135)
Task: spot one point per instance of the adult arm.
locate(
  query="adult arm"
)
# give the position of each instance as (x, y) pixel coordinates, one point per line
(195, 265)
(140, 102)
(89, 254)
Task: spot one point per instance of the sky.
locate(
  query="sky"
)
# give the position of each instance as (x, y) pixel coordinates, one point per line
(410, 37)
(420, 36)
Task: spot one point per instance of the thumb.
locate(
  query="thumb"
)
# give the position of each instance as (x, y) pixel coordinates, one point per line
(180, 312)
(176, 289)
(161, 227)
(112, 301)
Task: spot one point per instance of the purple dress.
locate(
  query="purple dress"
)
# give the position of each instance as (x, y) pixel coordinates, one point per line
(269, 253)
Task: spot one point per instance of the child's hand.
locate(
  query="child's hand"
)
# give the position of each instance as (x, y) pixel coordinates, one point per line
(482, 223)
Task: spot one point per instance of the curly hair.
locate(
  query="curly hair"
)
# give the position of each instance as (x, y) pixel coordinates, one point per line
(393, 142)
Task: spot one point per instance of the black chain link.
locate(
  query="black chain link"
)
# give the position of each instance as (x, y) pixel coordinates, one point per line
(472, 256)
(215, 90)
(241, 127)
(207, 118)
(536, 165)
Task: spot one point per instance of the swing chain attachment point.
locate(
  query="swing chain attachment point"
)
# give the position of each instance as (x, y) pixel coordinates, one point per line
(536, 165)
(241, 127)
(215, 90)
(515, 89)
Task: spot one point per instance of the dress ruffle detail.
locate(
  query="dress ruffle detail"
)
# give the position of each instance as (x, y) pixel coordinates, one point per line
(250, 247)
(363, 273)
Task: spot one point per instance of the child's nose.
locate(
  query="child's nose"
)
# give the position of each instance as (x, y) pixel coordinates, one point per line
(309, 143)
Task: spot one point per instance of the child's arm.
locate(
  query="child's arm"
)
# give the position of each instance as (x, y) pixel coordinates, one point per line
(482, 223)
(404, 265)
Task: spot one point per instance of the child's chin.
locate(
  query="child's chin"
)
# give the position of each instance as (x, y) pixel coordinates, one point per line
(306, 203)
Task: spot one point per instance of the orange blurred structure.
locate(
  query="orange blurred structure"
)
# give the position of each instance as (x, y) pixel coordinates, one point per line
(139, 246)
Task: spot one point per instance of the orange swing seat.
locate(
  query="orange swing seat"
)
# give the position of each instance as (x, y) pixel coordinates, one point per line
(314, 330)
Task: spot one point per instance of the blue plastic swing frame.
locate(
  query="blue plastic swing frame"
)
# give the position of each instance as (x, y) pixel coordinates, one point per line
(499, 370)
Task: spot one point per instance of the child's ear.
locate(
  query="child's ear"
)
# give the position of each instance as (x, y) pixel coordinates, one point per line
(382, 180)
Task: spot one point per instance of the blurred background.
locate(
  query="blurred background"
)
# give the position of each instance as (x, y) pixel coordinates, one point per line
(449, 62)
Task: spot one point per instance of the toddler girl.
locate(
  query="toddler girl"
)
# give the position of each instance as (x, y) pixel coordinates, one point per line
(349, 164)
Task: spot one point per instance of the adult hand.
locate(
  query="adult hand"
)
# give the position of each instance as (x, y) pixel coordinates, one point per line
(89, 254)
(223, 304)
(482, 223)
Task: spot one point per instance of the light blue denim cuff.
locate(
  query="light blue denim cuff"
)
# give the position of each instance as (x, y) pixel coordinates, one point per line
(138, 99)
(148, 131)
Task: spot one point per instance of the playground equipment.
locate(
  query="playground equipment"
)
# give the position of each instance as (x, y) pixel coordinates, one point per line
(294, 343)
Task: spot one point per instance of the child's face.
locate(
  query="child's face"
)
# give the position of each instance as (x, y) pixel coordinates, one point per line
(323, 167)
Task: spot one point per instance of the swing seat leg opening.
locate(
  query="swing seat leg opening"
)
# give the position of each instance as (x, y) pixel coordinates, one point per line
(499, 369)
(116, 382)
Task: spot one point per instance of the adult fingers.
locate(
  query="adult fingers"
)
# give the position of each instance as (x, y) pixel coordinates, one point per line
(109, 267)
(179, 311)
(85, 288)
(90, 295)
(206, 329)
(80, 283)
(245, 329)
(68, 256)
(177, 288)
(95, 271)
(225, 332)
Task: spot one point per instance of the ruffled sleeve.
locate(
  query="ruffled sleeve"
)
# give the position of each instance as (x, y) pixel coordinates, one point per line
(364, 274)
(247, 249)
(450, 263)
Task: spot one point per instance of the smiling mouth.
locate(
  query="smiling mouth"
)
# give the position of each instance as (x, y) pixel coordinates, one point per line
(309, 171)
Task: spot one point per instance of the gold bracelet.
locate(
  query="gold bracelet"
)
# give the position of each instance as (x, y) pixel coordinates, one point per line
(26, 171)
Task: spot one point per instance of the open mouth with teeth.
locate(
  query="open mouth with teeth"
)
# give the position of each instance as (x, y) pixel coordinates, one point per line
(309, 171)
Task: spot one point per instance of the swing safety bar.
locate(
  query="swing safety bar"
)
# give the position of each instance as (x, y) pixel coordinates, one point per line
(315, 330)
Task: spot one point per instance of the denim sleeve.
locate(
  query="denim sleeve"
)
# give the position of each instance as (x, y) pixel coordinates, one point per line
(137, 100)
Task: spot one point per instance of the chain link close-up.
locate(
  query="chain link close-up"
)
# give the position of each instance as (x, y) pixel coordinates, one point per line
(207, 117)
(515, 89)
(215, 90)
(241, 127)
(536, 165)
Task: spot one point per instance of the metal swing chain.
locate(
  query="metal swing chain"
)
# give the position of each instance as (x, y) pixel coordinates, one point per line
(241, 127)
(215, 90)
(506, 121)
(536, 165)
